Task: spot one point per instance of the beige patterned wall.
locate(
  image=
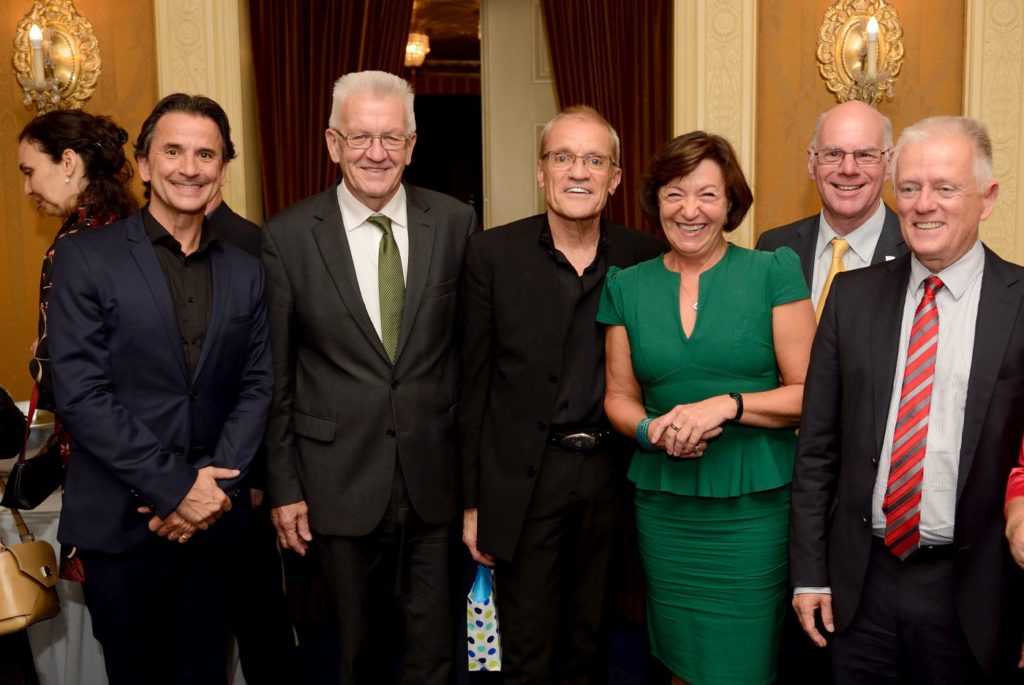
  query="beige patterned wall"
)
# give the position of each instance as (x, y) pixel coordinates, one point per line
(993, 94)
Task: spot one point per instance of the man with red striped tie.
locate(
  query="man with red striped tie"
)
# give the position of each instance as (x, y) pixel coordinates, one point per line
(911, 425)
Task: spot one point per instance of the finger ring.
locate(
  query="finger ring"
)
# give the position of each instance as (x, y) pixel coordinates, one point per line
(183, 538)
(673, 426)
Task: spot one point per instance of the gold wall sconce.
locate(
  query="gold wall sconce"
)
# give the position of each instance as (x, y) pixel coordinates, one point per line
(860, 50)
(417, 49)
(56, 56)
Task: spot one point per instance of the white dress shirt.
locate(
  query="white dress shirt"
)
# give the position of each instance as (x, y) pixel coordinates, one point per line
(364, 243)
(862, 240)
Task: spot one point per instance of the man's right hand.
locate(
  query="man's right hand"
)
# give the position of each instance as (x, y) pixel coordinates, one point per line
(292, 523)
(469, 517)
(205, 502)
(806, 605)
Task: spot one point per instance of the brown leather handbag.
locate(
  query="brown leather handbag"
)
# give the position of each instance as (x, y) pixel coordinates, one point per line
(28, 580)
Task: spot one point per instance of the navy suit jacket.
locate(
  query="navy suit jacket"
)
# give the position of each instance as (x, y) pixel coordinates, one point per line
(140, 427)
(802, 236)
(846, 404)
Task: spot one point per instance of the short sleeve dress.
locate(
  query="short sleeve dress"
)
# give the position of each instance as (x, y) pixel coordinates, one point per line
(712, 531)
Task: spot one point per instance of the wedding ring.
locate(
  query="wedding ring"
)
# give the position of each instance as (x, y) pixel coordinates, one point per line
(183, 538)
(673, 426)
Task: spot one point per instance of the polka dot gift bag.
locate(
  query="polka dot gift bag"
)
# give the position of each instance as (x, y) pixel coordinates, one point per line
(483, 639)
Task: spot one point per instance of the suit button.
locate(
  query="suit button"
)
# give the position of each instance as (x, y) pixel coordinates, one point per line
(179, 450)
(394, 384)
(193, 396)
(866, 521)
(390, 433)
(542, 426)
(552, 378)
(531, 471)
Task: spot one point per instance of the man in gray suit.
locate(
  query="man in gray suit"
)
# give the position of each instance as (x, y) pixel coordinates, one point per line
(361, 445)
(848, 159)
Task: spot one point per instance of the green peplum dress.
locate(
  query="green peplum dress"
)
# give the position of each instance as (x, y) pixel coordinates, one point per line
(712, 531)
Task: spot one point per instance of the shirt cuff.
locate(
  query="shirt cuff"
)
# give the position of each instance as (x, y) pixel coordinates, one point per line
(812, 591)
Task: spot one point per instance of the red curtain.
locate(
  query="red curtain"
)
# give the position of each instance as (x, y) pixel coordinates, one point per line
(616, 56)
(300, 47)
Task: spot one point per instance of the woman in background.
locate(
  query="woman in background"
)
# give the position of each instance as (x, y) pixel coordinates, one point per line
(75, 168)
(707, 347)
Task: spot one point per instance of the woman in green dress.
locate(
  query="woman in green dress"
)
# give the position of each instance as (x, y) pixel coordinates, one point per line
(707, 347)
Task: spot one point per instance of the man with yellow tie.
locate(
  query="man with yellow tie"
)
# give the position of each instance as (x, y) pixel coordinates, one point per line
(848, 158)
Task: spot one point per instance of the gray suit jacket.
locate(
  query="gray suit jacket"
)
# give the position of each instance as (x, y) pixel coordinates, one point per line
(801, 237)
(343, 417)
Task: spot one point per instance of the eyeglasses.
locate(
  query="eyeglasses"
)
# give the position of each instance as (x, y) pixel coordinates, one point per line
(565, 160)
(363, 141)
(833, 156)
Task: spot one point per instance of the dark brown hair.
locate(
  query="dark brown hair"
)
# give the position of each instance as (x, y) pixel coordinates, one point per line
(99, 142)
(680, 156)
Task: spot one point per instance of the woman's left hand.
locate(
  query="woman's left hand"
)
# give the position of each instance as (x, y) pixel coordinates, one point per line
(685, 429)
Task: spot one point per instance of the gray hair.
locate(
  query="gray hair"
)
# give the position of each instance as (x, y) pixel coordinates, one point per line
(946, 127)
(886, 126)
(586, 113)
(378, 84)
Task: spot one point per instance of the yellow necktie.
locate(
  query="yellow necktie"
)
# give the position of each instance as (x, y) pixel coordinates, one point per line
(839, 248)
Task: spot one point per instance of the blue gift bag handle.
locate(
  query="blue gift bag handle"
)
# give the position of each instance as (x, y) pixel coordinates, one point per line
(481, 590)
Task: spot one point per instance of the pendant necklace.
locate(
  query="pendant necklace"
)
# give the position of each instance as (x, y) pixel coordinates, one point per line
(701, 267)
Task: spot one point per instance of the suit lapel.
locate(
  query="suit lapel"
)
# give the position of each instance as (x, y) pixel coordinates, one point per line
(421, 250)
(884, 338)
(329, 234)
(149, 266)
(807, 238)
(998, 308)
(220, 276)
(890, 241)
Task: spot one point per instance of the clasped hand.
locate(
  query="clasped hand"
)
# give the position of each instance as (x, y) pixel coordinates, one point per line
(685, 430)
(201, 506)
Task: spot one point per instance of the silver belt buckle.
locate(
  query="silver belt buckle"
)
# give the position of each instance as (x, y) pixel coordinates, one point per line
(580, 442)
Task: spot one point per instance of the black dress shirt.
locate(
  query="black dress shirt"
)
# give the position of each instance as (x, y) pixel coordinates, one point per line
(580, 399)
(189, 281)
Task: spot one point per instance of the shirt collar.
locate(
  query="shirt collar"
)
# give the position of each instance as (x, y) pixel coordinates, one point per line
(862, 240)
(354, 213)
(957, 277)
(158, 234)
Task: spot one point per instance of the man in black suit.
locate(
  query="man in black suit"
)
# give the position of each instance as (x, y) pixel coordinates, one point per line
(361, 442)
(259, 609)
(541, 465)
(911, 425)
(848, 159)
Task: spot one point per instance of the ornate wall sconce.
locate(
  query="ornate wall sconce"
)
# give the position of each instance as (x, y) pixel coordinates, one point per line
(56, 56)
(416, 49)
(860, 50)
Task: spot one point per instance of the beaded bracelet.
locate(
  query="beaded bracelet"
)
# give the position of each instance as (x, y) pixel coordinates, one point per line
(641, 434)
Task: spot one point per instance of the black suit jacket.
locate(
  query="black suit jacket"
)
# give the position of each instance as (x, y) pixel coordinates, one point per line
(513, 345)
(802, 236)
(846, 403)
(341, 410)
(235, 229)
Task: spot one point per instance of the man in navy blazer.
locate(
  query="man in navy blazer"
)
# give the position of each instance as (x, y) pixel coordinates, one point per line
(848, 159)
(161, 366)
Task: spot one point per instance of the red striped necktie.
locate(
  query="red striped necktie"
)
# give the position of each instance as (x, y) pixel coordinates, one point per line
(902, 503)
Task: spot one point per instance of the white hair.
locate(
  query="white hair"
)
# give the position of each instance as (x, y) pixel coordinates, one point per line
(586, 113)
(971, 130)
(378, 84)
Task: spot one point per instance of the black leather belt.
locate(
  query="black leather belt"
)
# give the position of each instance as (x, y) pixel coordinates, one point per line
(924, 553)
(583, 441)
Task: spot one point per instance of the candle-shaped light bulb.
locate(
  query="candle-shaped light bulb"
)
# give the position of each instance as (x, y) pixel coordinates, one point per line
(35, 37)
(872, 70)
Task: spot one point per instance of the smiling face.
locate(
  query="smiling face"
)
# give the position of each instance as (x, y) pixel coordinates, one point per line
(47, 182)
(693, 210)
(185, 166)
(373, 175)
(577, 193)
(940, 204)
(849, 192)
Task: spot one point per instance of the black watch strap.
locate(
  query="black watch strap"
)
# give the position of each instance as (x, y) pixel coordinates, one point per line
(739, 406)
